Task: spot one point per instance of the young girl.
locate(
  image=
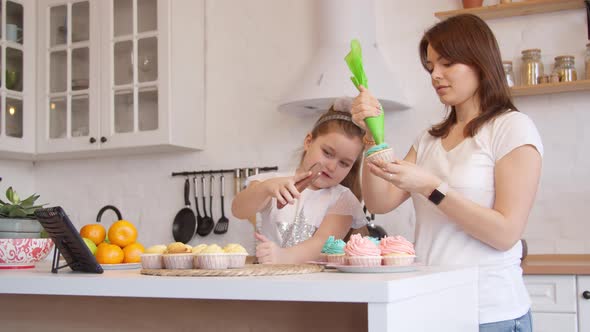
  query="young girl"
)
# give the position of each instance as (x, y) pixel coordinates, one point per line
(329, 206)
(472, 177)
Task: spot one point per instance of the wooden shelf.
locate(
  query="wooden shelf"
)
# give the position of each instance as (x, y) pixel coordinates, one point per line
(549, 88)
(522, 8)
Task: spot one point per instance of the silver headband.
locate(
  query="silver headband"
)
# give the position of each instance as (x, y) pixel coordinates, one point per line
(336, 116)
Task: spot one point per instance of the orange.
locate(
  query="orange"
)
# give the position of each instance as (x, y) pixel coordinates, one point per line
(122, 233)
(94, 232)
(132, 253)
(109, 254)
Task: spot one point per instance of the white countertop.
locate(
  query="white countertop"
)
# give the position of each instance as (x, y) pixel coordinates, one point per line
(328, 286)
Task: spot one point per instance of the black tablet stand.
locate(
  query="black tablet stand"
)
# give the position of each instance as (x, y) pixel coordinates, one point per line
(68, 242)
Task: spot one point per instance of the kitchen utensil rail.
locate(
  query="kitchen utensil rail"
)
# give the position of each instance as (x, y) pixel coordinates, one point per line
(217, 171)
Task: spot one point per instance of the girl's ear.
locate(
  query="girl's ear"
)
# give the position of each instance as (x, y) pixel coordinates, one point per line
(307, 141)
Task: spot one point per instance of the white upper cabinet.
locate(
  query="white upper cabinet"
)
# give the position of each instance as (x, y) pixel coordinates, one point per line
(120, 76)
(17, 79)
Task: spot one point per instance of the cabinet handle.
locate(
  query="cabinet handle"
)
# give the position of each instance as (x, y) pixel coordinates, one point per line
(586, 295)
(103, 139)
(92, 140)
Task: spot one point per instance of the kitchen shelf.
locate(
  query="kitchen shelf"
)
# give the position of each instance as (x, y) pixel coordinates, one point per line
(549, 88)
(522, 8)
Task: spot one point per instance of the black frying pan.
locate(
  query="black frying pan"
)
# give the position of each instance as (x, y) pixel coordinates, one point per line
(183, 227)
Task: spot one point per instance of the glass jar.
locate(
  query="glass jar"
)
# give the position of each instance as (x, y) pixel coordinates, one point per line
(507, 65)
(565, 67)
(532, 67)
(587, 61)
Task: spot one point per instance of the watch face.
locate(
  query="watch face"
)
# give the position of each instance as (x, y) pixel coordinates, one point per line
(436, 197)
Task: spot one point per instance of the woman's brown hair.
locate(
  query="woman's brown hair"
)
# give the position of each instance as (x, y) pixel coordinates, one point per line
(342, 121)
(467, 39)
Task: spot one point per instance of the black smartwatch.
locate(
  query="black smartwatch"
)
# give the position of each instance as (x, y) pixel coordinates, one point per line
(439, 193)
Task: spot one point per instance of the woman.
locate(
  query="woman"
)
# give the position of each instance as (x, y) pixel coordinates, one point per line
(472, 177)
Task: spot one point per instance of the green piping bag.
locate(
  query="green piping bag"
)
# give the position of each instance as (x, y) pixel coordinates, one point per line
(354, 60)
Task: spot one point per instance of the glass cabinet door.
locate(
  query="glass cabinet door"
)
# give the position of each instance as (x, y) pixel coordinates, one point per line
(134, 48)
(11, 69)
(68, 59)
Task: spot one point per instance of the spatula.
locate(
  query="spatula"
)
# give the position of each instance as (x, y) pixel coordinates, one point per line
(223, 222)
(206, 226)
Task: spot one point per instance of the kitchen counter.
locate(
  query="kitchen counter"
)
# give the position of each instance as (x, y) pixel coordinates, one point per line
(556, 264)
(369, 302)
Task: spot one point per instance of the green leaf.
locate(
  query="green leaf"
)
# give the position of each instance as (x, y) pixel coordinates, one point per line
(10, 194)
(29, 201)
(17, 213)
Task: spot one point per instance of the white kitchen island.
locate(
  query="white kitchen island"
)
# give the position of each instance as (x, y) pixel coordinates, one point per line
(430, 299)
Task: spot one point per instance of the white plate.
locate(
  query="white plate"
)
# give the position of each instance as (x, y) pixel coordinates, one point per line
(124, 266)
(375, 269)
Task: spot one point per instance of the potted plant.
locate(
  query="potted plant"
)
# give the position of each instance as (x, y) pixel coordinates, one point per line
(17, 217)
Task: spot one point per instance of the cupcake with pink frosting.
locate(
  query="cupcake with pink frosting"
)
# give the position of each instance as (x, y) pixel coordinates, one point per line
(362, 251)
(397, 250)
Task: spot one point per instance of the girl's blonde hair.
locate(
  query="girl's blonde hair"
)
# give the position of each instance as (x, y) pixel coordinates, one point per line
(341, 121)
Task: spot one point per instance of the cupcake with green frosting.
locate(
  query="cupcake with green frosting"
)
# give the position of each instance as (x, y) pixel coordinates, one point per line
(380, 152)
(335, 252)
(327, 244)
(374, 240)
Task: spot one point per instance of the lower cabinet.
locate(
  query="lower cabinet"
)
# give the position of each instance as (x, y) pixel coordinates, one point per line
(558, 304)
(548, 322)
(584, 303)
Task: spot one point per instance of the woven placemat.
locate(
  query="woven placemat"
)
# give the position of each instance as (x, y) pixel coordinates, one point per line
(246, 271)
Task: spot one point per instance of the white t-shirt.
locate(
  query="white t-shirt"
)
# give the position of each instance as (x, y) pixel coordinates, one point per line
(469, 170)
(298, 222)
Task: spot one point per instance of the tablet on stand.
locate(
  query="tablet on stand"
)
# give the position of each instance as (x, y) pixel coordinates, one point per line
(68, 242)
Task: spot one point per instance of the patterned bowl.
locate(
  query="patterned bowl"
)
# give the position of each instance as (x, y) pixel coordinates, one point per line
(23, 253)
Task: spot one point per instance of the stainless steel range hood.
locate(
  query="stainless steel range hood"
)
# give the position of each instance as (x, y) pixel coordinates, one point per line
(326, 76)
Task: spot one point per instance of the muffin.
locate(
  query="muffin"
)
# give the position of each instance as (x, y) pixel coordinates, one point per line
(152, 257)
(212, 258)
(178, 256)
(236, 255)
(360, 251)
(335, 252)
(380, 152)
(323, 255)
(196, 250)
(397, 251)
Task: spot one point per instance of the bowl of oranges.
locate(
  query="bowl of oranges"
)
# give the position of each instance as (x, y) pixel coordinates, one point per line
(115, 247)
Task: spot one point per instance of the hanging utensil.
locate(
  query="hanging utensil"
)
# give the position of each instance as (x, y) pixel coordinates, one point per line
(237, 181)
(199, 217)
(246, 172)
(183, 227)
(211, 181)
(223, 222)
(207, 225)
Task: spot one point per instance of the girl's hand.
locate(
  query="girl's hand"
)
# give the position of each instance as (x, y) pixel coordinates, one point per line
(363, 106)
(406, 176)
(283, 189)
(267, 251)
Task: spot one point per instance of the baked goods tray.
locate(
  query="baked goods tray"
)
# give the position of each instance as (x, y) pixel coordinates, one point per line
(247, 271)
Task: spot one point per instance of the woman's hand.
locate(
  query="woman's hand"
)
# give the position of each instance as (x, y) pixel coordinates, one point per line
(267, 251)
(406, 176)
(283, 189)
(363, 106)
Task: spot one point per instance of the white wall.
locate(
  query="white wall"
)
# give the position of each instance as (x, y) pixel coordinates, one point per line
(256, 50)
